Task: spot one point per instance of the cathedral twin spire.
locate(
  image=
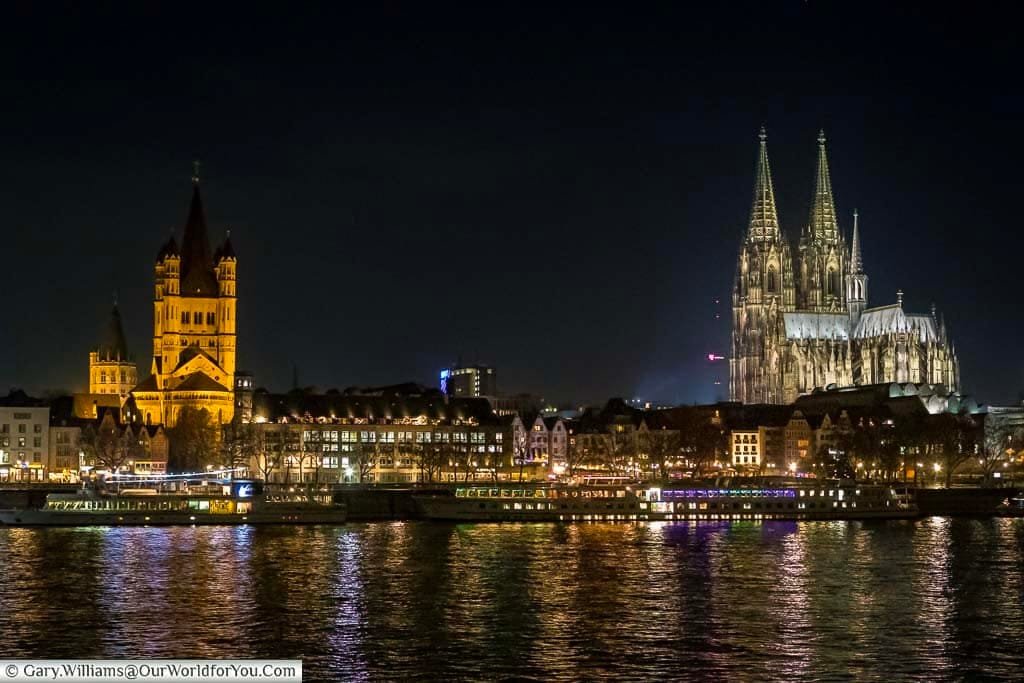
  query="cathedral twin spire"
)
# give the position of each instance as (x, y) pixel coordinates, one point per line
(764, 219)
(822, 225)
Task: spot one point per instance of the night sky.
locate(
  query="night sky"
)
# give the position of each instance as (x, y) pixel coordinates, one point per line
(558, 193)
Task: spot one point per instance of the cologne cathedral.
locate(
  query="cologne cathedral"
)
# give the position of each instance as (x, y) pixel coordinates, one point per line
(801, 319)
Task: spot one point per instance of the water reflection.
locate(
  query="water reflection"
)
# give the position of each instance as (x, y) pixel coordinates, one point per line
(936, 598)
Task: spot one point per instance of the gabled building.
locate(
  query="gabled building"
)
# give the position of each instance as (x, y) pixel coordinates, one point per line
(540, 440)
(194, 326)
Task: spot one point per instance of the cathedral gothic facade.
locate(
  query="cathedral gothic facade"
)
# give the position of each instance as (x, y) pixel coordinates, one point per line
(801, 319)
(194, 326)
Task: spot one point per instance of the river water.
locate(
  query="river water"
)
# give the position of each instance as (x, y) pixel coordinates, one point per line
(937, 599)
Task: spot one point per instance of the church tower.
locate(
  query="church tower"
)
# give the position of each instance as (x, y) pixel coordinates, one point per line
(857, 280)
(194, 325)
(111, 368)
(822, 253)
(763, 289)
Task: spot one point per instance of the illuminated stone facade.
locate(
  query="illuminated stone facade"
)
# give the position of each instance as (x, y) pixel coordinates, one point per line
(111, 368)
(194, 326)
(801, 321)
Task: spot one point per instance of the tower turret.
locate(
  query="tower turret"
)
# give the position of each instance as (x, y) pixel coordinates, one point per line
(857, 279)
(111, 368)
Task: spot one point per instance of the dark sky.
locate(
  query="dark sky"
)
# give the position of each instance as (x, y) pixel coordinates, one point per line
(560, 193)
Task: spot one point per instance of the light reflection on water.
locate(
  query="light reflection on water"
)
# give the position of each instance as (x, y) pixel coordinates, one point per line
(936, 598)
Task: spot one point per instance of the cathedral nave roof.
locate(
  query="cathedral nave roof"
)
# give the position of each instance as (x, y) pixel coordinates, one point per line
(876, 322)
(811, 325)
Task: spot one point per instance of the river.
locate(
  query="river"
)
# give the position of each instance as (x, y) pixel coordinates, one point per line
(936, 598)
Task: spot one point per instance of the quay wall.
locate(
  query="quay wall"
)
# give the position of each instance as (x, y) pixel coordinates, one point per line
(961, 502)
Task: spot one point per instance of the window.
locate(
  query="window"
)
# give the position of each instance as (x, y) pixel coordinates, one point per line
(184, 317)
(21, 429)
(209, 318)
(37, 428)
(21, 442)
(37, 442)
(833, 282)
(771, 280)
(197, 317)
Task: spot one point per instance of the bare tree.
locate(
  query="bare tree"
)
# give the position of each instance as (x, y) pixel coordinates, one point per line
(615, 450)
(954, 436)
(521, 448)
(267, 456)
(997, 439)
(193, 440)
(238, 445)
(574, 452)
(662, 447)
(702, 442)
(109, 447)
(363, 460)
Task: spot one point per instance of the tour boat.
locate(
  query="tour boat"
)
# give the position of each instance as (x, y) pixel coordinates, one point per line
(731, 499)
(236, 503)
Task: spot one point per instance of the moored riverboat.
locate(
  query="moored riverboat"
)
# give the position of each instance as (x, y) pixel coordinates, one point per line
(235, 503)
(729, 499)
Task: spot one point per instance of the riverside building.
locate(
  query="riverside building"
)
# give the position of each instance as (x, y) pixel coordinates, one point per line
(335, 437)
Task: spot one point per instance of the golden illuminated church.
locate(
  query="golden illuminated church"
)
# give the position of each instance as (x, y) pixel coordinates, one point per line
(194, 326)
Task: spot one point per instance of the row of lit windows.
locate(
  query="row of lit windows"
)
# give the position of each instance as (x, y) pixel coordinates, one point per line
(36, 428)
(5, 457)
(197, 317)
(332, 436)
(113, 376)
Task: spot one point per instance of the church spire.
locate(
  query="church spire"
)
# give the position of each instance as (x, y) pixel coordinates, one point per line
(197, 276)
(856, 263)
(764, 219)
(112, 343)
(822, 224)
